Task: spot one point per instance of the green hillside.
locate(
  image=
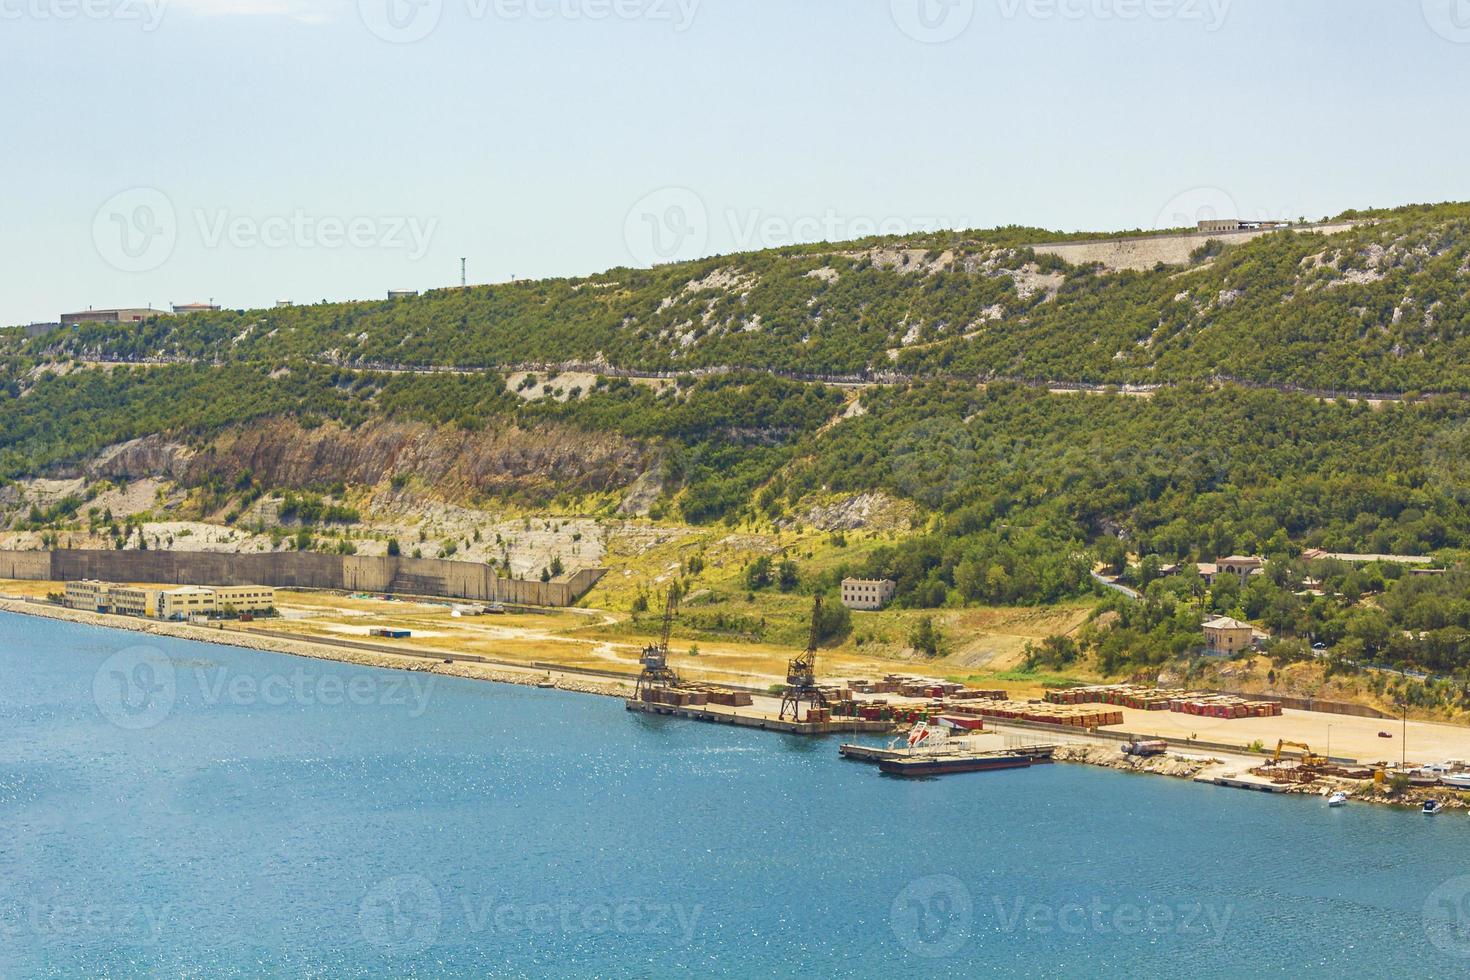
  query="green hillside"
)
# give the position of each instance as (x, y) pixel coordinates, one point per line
(1006, 493)
(1380, 307)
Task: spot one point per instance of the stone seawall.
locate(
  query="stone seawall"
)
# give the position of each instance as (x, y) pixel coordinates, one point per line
(303, 570)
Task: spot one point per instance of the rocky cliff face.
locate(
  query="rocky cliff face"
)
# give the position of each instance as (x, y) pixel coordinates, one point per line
(280, 453)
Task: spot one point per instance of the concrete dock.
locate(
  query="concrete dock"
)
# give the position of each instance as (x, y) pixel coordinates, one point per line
(1241, 781)
(747, 717)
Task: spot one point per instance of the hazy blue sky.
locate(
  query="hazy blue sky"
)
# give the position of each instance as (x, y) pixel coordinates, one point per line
(250, 151)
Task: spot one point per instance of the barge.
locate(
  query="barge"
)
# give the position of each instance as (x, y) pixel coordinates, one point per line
(931, 750)
(945, 764)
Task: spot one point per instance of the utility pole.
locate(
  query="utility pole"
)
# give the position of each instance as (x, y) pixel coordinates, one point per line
(1404, 737)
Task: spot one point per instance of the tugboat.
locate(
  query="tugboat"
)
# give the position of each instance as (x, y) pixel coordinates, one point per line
(1338, 799)
(1431, 807)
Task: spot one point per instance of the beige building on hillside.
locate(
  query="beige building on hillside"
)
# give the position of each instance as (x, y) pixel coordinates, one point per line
(1225, 636)
(1241, 566)
(867, 594)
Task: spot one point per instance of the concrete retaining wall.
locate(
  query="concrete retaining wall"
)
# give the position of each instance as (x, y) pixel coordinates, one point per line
(294, 569)
(1314, 704)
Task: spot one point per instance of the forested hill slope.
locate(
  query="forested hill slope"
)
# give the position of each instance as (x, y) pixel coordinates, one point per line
(1382, 306)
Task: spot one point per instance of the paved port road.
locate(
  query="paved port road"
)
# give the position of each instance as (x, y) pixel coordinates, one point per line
(1349, 737)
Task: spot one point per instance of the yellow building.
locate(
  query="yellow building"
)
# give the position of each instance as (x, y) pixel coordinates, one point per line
(244, 598)
(134, 600)
(185, 602)
(86, 594)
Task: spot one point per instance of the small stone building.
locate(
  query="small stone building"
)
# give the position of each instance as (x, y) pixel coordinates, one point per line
(867, 594)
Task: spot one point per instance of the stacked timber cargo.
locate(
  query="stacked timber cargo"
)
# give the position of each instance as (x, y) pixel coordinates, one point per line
(1072, 716)
(970, 694)
(1162, 699)
(1225, 706)
(1094, 694)
(730, 699)
(676, 696)
(910, 686)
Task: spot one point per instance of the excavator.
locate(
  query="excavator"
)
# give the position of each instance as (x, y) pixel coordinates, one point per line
(1308, 757)
(655, 658)
(801, 673)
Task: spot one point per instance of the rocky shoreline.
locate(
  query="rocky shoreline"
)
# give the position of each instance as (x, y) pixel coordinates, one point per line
(526, 677)
(1105, 756)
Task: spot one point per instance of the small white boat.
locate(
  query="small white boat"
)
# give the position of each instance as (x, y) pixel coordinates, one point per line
(1337, 799)
(1432, 807)
(1457, 780)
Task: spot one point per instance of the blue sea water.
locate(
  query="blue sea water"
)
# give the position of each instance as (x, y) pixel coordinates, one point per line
(188, 809)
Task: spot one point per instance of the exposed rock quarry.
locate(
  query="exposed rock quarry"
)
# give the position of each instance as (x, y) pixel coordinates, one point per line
(282, 453)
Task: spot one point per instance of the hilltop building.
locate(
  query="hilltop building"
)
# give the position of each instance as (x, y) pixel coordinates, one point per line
(1235, 224)
(867, 594)
(1225, 636)
(1241, 566)
(183, 309)
(121, 315)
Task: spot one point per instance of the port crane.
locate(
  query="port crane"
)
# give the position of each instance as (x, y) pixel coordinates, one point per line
(655, 658)
(801, 673)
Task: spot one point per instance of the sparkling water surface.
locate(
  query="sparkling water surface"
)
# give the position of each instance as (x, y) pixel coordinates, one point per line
(173, 808)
